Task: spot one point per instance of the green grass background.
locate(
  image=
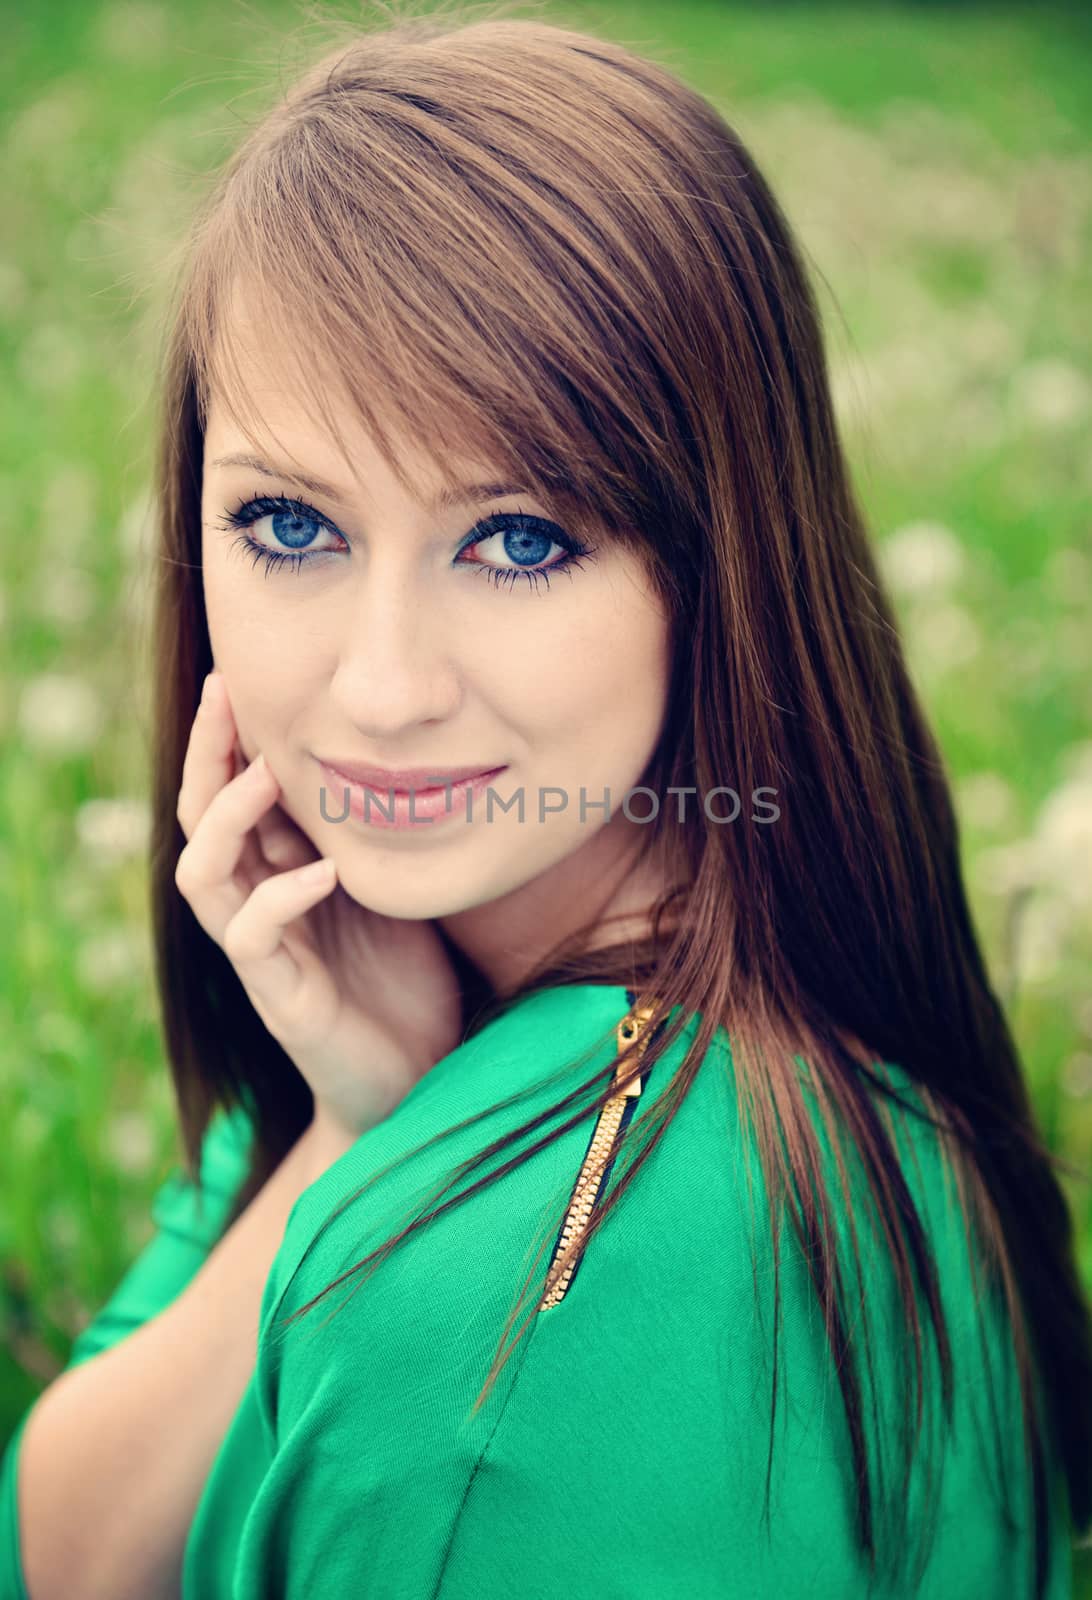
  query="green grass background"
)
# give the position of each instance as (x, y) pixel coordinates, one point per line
(936, 163)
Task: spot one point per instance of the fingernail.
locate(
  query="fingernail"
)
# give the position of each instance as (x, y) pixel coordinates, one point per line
(317, 870)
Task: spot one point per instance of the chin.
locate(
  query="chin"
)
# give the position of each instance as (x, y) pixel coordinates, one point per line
(396, 895)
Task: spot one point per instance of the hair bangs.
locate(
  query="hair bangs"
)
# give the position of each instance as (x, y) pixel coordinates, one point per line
(391, 307)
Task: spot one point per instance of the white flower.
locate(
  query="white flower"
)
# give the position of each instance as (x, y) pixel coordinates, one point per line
(985, 338)
(1051, 392)
(59, 713)
(136, 528)
(52, 122)
(921, 556)
(112, 830)
(1049, 874)
(130, 1142)
(979, 419)
(1041, 930)
(111, 958)
(77, 895)
(944, 635)
(951, 202)
(137, 599)
(986, 799)
(65, 595)
(1009, 868)
(67, 509)
(57, 1033)
(1068, 575)
(133, 32)
(13, 289)
(61, 1226)
(51, 357)
(1063, 839)
(853, 389)
(28, 1128)
(1077, 1075)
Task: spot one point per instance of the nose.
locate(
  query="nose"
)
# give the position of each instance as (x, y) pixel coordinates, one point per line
(394, 667)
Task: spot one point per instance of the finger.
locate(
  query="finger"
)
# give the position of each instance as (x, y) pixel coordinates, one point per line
(209, 871)
(253, 865)
(208, 763)
(280, 844)
(283, 844)
(254, 938)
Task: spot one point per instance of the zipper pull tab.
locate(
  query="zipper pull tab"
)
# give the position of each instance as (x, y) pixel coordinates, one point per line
(630, 1028)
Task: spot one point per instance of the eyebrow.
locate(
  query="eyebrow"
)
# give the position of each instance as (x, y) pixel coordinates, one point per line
(447, 497)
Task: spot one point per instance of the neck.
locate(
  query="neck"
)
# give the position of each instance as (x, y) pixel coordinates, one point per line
(600, 888)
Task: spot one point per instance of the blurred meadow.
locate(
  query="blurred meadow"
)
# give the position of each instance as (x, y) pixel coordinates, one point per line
(936, 163)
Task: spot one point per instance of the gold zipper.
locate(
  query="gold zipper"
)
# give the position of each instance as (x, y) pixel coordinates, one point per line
(589, 1181)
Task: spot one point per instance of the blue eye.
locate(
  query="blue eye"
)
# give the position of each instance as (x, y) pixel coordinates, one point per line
(526, 540)
(292, 522)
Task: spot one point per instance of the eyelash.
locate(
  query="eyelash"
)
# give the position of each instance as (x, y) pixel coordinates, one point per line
(254, 509)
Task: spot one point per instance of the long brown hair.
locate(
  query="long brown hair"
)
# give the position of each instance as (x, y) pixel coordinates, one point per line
(502, 231)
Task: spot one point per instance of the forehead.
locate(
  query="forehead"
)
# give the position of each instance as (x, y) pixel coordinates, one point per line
(271, 391)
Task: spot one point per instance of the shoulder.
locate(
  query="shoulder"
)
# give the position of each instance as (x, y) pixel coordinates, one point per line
(463, 1268)
(691, 1363)
(196, 1211)
(398, 1355)
(533, 1068)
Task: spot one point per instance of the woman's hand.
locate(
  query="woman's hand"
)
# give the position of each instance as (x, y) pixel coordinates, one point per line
(364, 1004)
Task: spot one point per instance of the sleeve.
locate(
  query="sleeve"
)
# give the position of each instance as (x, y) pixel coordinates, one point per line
(187, 1224)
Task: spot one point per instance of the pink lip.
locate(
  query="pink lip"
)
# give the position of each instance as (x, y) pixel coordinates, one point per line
(403, 779)
(402, 810)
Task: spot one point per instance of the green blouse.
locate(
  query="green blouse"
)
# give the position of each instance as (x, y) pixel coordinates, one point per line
(623, 1450)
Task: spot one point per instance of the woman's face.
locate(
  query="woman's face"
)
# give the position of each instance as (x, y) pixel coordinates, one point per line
(397, 644)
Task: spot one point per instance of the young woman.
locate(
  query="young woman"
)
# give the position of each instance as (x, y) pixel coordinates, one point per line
(557, 881)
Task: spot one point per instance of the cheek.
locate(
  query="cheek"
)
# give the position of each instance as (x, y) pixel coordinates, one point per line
(596, 699)
(226, 610)
(634, 681)
(636, 702)
(263, 679)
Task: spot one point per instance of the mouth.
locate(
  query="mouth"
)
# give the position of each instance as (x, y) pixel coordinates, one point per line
(417, 805)
(404, 780)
